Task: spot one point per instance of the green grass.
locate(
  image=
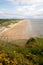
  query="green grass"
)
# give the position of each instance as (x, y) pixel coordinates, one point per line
(32, 51)
(6, 22)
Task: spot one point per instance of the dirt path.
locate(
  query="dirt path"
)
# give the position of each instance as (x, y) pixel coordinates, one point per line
(21, 30)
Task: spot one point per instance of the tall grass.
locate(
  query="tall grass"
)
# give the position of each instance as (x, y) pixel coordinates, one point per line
(29, 54)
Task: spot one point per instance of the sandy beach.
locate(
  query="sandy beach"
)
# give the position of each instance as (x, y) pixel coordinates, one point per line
(17, 31)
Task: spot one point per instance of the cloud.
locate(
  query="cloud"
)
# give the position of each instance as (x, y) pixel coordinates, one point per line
(22, 12)
(26, 1)
(34, 10)
(30, 11)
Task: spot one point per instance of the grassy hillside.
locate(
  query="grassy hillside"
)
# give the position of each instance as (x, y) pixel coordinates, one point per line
(6, 22)
(29, 54)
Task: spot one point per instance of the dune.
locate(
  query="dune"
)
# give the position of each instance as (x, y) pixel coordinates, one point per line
(21, 30)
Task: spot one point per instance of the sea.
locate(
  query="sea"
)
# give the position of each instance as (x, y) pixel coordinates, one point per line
(37, 27)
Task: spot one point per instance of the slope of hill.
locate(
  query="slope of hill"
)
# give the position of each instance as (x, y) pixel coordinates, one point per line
(29, 54)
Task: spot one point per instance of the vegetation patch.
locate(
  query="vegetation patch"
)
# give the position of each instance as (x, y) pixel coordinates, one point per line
(29, 54)
(6, 22)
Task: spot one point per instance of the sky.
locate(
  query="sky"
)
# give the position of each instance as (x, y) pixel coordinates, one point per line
(21, 9)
